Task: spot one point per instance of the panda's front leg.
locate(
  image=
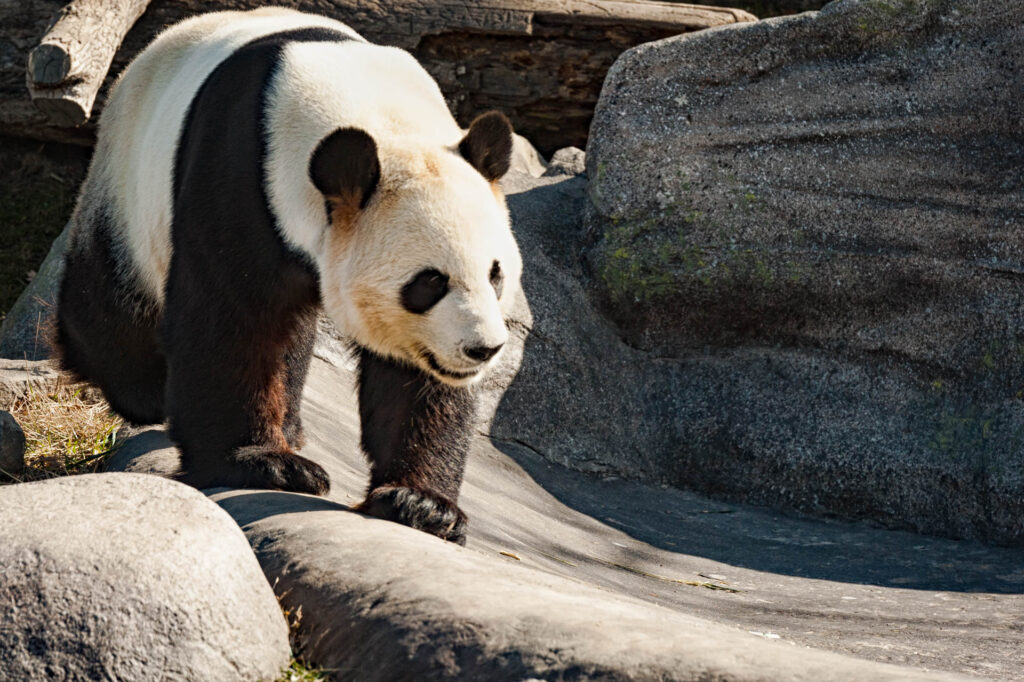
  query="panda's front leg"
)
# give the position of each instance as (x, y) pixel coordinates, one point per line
(416, 432)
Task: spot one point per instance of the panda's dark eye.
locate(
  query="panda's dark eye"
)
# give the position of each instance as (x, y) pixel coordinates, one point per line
(424, 290)
(497, 279)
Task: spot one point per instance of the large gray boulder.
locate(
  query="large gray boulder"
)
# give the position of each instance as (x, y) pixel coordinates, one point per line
(848, 179)
(131, 577)
(811, 227)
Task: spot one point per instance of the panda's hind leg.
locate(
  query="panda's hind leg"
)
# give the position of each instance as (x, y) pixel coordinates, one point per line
(106, 329)
(236, 362)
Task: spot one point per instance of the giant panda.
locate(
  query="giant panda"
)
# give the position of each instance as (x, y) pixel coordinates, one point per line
(251, 169)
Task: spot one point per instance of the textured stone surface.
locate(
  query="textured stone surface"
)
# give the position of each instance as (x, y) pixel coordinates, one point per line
(146, 452)
(429, 610)
(130, 577)
(12, 445)
(566, 161)
(525, 158)
(779, 193)
(812, 227)
(23, 335)
(380, 601)
(21, 377)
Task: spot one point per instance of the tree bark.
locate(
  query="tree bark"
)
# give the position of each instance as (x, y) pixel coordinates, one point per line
(542, 62)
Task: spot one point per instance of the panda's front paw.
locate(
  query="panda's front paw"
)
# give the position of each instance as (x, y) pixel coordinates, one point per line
(417, 509)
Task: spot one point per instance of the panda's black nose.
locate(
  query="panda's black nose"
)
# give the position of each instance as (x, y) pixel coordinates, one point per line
(482, 353)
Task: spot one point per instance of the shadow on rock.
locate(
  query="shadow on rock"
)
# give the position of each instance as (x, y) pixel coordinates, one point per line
(250, 506)
(772, 542)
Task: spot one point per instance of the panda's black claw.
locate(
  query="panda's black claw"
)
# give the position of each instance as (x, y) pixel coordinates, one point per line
(264, 467)
(417, 509)
(260, 466)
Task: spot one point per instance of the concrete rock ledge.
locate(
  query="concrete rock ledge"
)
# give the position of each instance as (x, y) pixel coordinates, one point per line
(21, 377)
(382, 602)
(565, 576)
(12, 445)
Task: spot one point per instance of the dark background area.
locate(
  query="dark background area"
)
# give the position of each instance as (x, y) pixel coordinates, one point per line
(38, 185)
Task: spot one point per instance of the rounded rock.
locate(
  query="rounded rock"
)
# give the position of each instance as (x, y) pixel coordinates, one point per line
(126, 576)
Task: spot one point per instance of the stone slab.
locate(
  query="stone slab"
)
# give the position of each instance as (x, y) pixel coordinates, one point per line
(21, 377)
(25, 329)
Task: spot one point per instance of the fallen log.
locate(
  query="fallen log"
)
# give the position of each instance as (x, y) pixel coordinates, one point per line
(70, 63)
(542, 62)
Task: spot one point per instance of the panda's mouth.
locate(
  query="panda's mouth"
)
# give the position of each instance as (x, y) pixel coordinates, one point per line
(445, 372)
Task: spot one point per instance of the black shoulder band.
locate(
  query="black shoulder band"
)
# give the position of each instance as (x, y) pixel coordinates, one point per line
(310, 34)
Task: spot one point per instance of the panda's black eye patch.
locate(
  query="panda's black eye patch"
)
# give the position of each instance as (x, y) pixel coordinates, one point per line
(496, 277)
(424, 290)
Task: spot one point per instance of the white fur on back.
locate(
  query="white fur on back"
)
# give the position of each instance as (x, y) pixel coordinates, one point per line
(143, 121)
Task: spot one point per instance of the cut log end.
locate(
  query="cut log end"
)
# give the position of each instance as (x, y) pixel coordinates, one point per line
(64, 112)
(48, 65)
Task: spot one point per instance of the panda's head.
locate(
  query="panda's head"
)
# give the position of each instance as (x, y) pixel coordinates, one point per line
(419, 263)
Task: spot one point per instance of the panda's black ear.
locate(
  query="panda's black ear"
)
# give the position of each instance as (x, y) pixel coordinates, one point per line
(345, 167)
(488, 145)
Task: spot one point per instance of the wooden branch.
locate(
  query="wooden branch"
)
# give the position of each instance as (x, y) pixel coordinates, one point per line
(673, 15)
(542, 62)
(67, 68)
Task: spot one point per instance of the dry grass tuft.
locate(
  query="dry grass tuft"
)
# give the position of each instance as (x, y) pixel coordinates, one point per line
(299, 672)
(69, 432)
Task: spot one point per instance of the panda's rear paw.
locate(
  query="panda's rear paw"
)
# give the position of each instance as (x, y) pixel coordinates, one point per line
(417, 509)
(259, 466)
